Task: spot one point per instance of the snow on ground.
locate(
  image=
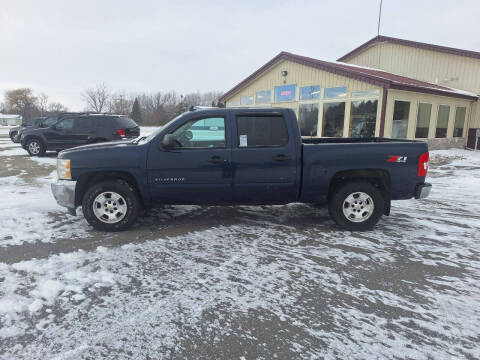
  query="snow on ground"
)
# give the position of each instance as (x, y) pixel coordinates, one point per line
(251, 281)
(147, 130)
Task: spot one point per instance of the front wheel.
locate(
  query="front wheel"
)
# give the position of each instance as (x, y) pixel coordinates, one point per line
(356, 206)
(35, 147)
(111, 205)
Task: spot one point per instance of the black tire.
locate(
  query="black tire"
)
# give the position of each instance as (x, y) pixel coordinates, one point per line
(35, 143)
(12, 135)
(338, 201)
(120, 187)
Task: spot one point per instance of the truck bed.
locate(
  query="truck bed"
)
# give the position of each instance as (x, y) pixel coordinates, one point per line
(324, 158)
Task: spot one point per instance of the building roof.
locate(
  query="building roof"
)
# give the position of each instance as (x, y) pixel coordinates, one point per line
(8, 116)
(369, 75)
(414, 44)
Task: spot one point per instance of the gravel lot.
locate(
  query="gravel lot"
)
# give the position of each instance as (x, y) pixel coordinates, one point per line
(240, 282)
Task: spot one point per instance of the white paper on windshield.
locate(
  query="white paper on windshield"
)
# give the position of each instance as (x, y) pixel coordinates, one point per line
(243, 141)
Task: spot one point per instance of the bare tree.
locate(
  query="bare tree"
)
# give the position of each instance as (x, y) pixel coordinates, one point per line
(56, 107)
(120, 103)
(22, 101)
(97, 98)
(43, 103)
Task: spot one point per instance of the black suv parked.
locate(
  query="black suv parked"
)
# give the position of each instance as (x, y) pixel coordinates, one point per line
(32, 123)
(75, 130)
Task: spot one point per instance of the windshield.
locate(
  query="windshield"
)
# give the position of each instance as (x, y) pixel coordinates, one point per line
(145, 139)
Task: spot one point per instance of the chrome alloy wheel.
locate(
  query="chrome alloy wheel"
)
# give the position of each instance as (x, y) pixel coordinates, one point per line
(358, 207)
(110, 207)
(34, 147)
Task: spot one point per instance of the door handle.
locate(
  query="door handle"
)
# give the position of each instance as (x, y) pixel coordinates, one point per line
(282, 157)
(217, 160)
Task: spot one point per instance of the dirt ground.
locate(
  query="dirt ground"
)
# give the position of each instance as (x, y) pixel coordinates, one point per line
(252, 282)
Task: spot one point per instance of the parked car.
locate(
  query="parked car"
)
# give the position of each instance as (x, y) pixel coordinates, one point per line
(75, 130)
(14, 131)
(46, 122)
(240, 156)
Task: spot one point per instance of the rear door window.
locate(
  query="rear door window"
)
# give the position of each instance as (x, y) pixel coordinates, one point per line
(84, 123)
(124, 122)
(261, 131)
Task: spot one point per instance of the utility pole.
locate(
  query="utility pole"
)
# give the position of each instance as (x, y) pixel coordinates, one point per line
(121, 103)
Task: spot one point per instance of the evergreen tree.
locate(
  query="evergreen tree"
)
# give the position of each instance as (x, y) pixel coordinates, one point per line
(136, 112)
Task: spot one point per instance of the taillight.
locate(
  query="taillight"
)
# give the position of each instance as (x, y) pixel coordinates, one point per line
(122, 132)
(423, 164)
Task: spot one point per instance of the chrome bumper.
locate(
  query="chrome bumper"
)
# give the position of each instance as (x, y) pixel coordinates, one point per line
(422, 191)
(64, 192)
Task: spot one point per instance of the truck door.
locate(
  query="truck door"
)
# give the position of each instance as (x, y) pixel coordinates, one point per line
(265, 159)
(199, 169)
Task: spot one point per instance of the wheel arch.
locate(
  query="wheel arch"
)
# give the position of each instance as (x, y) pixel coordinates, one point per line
(88, 179)
(31, 137)
(378, 177)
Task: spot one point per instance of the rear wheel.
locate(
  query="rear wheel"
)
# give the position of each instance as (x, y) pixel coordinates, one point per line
(111, 205)
(35, 147)
(356, 206)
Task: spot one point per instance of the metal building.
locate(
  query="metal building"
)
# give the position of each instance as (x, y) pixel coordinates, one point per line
(356, 98)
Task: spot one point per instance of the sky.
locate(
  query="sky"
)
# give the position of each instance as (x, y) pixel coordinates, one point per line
(63, 47)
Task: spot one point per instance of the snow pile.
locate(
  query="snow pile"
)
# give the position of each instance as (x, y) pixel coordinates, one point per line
(27, 207)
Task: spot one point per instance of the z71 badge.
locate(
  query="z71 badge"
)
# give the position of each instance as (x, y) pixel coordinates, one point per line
(397, 159)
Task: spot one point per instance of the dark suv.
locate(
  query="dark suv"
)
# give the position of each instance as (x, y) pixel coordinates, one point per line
(32, 123)
(75, 130)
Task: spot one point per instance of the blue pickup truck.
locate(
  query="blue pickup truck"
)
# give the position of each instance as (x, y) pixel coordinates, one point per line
(240, 156)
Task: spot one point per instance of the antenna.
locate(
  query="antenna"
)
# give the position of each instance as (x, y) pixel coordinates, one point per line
(379, 18)
(378, 31)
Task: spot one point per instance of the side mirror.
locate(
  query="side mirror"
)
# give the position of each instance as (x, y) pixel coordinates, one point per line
(169, 141)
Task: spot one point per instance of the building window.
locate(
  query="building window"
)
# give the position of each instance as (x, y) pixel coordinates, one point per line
(285, 93)
(442, 121)
(336, 92)
(246, 100)
(423, 120)
(261, 131)
(366, 93)
(308, 119)
(232, 103)
(263, 97)
(310, 92)
(401, 113)
(460, 113)
(363, 118)
(333, 119)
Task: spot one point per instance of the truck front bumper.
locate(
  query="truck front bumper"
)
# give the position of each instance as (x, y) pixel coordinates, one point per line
(423, 190)
(64, 192)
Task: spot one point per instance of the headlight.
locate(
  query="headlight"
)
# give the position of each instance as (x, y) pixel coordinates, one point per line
(63, 169)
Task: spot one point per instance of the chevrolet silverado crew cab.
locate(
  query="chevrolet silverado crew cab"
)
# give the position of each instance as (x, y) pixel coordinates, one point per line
(240, 156)
(78, 129)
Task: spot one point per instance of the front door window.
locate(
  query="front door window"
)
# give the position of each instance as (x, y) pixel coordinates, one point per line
(201, 133)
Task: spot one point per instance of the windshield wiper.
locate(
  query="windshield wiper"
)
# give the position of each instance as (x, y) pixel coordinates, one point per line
(137, 140)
